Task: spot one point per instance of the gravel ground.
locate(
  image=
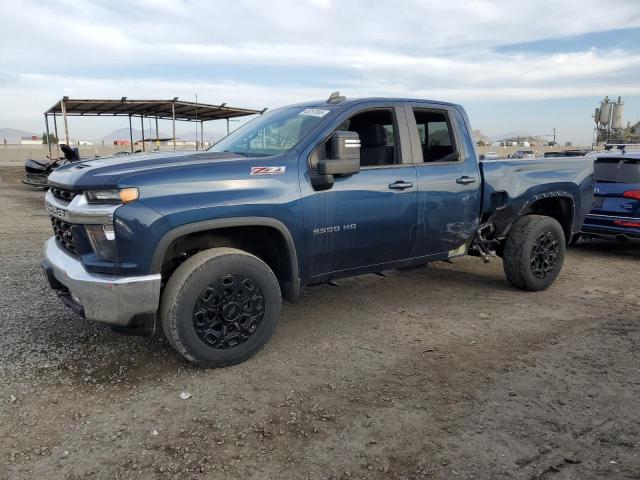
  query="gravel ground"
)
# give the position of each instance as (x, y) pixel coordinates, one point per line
(437, 372)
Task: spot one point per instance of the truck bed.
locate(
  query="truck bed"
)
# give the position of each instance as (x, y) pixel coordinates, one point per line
(510, 185)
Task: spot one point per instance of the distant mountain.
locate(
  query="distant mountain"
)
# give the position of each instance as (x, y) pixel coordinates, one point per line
(123, 134)
(191, 136)
(13, 135)
(502, 136)
(478, 136)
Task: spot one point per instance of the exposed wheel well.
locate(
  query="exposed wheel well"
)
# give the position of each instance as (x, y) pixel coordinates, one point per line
(559, 208)
(266, 243)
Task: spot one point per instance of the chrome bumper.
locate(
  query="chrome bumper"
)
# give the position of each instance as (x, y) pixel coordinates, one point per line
(110, 299)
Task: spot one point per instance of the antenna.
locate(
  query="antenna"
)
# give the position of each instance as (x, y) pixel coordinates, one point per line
(335, 97)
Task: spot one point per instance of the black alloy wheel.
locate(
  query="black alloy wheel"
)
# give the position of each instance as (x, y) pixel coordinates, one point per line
(544, 254)
(228, 311)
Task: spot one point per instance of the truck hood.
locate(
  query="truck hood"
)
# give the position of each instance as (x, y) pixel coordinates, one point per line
(110, 171)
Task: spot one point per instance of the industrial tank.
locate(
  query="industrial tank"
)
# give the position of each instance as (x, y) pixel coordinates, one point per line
(605, 112)
(616, 117)
(596, 116)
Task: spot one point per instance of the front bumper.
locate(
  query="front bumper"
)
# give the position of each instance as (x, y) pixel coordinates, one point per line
(111, 299)
(611, 225)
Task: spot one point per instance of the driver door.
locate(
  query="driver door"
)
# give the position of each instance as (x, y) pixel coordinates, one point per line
(365, 221)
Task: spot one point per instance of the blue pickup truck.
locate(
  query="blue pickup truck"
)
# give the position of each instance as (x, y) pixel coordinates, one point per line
(208, 244)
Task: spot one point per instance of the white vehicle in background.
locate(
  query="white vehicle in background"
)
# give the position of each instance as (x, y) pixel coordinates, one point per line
(490, 156)
(524, 154)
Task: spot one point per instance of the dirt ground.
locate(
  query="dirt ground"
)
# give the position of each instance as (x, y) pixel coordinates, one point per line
(440, 372)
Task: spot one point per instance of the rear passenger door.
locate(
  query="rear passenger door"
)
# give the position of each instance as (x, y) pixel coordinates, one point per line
(449, 183)
(366, 219)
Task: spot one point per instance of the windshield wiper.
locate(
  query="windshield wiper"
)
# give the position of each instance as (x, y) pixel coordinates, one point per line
(248, 154)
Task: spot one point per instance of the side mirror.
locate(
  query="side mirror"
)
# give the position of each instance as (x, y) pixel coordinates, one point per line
(345, 153)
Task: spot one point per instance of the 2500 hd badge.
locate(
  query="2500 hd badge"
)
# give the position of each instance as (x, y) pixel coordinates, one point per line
(337, 228)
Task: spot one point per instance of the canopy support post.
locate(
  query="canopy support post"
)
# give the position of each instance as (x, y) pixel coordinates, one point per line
(55, 130)
(66, 124)
(202, 134)
(227, 125)
(130, 133)
(173, 117)
(142, 126)
(46, 122)
(157, 135)
(196, 122)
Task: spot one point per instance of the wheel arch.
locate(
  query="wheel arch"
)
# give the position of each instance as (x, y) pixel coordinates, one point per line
(265, 237)
(558, 205)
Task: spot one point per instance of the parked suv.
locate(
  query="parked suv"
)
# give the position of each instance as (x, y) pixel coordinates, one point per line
(524, 154)
(616, 205)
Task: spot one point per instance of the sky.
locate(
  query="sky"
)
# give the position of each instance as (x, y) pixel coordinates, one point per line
(530, 65)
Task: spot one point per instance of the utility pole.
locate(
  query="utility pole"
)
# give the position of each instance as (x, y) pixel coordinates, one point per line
(554, 137)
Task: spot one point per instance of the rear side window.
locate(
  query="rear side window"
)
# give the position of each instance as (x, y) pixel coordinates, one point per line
(617, 170)
(436, 135)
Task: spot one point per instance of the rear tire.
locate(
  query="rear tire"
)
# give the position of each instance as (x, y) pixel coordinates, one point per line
(220, 307)
(534, 252)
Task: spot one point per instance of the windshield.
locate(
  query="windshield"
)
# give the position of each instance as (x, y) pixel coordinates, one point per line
(272, 133)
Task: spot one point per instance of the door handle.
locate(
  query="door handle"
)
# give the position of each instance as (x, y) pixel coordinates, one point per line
(464, 180)
(400, 185)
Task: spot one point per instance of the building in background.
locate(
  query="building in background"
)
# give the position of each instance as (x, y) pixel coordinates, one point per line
(610, 127)
(31, 140)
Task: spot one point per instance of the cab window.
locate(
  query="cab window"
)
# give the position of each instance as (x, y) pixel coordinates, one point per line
(436, 136)
(378, 137)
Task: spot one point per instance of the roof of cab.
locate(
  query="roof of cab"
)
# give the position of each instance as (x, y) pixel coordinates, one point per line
(355, 101)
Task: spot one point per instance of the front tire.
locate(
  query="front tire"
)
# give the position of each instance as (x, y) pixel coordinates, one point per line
(534, 252)
(220, 307)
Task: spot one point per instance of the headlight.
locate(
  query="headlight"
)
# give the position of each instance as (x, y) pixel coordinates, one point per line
(103, 241)
(114, 196)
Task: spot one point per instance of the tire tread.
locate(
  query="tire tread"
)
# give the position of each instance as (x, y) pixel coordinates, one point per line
(516, 251)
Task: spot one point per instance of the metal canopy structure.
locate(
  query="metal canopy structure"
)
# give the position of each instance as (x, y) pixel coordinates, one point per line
(173, 110)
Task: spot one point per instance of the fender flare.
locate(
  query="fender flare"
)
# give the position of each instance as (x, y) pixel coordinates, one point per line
(291, 290)
(554, 194)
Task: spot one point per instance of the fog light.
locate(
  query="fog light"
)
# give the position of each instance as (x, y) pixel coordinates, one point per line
(103, 241)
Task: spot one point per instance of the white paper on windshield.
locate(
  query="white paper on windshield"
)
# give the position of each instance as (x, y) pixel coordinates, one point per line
(314, 112)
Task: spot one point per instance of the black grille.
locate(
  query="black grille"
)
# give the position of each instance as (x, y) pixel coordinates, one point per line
(64, 235)
(63, 193)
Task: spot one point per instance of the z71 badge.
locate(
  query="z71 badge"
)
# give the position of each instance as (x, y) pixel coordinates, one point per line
(267, 170)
